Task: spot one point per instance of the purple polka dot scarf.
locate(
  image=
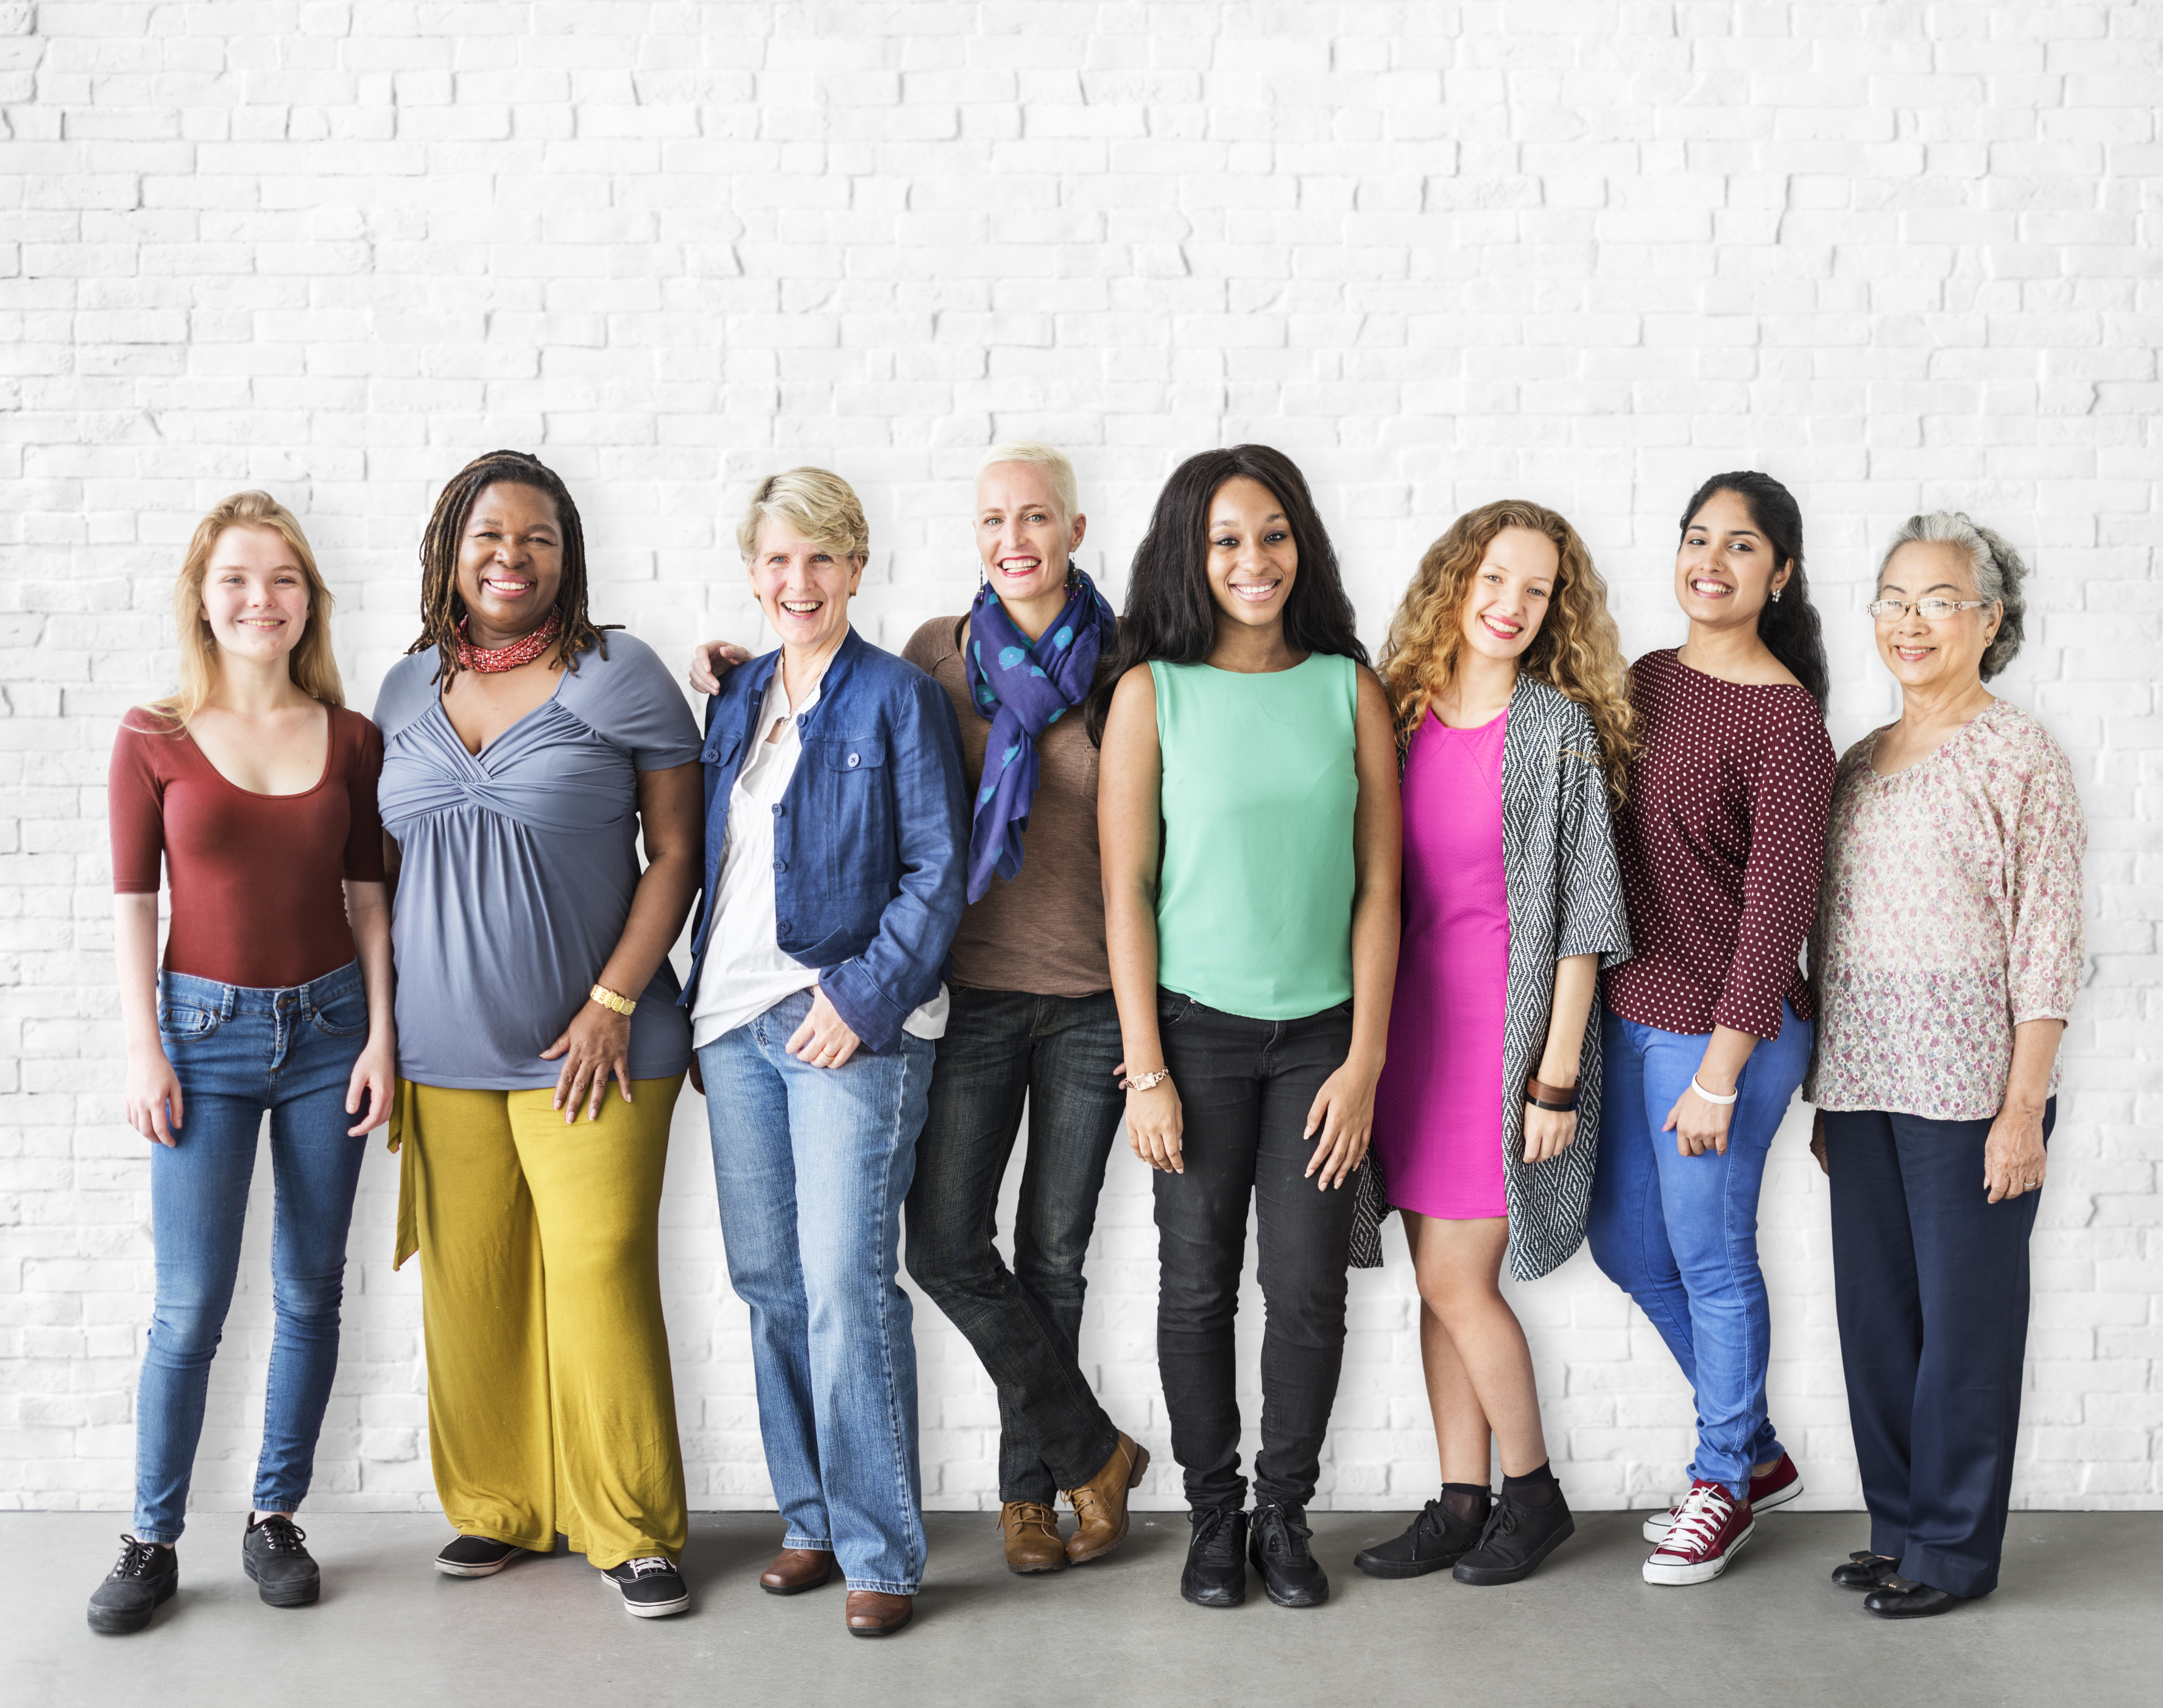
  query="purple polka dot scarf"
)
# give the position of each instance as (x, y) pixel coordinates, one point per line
(1023, 687)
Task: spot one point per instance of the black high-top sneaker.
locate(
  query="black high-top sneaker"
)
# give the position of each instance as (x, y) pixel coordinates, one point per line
(144, 1575)
(1434, 1542)
(1277, 1545)
(274, 1552)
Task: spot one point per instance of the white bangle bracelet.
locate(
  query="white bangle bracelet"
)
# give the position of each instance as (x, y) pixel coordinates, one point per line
(1717, 1102)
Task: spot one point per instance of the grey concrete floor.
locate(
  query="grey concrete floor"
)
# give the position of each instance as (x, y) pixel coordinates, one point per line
(2079, 1620)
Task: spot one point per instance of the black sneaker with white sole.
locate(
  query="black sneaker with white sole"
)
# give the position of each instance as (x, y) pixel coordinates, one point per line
(475, 1557)
(143, 1577)
(652, 1588)
(274, 1552)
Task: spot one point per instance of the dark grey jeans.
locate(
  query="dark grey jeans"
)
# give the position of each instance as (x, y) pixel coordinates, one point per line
(1003, 1047)
(1244, 1088)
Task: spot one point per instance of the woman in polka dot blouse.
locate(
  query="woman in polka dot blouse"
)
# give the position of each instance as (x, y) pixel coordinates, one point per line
(1708, 1027)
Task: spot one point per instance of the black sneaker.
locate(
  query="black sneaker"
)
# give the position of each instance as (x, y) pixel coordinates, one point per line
(1516, 1539)
(1278, 1548)
(652, 1588)
(144, 1575)
(1216, 1574)
(1434, 1542)
(274, 1552)
(475, 1557)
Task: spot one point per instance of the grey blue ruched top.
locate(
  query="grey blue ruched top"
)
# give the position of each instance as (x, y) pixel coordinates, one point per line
(517, 867)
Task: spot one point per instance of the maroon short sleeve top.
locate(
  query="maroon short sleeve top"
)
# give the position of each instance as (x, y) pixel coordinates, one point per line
(257, 880)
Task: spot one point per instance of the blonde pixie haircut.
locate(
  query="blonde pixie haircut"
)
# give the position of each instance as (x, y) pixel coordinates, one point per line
(1054, 463)
(819, 504)
(313, 666)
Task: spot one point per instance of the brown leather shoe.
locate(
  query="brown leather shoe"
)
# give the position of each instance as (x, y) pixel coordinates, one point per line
(1100, 1503)
(796, 1569)
(1031, 1530)
(874, 1613)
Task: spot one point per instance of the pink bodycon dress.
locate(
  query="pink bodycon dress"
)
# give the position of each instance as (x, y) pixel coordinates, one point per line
(1438, 1109)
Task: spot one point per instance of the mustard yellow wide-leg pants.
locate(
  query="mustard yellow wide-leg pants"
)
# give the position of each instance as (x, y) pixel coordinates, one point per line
(550, 1404)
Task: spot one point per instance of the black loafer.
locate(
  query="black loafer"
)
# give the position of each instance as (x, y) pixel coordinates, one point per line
(274, 1552)
(1216, 1574)
(1518, 1537)
(1866, 1570)
(143, 1579)
(1903, 1598)
(1434, 1542)
(1277, 1545)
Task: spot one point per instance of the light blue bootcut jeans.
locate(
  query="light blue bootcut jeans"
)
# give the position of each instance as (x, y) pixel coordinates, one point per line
(238, 1053)
(812, 1165)
(1679, 1233)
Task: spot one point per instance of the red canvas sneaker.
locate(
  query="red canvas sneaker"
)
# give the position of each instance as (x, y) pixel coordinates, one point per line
(1775, 1487)
(1710, 1526)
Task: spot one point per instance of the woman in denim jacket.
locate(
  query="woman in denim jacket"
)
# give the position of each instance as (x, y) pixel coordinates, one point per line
(836, 843)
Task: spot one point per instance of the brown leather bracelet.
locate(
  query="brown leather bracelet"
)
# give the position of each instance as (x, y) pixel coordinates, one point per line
(1561, 1099)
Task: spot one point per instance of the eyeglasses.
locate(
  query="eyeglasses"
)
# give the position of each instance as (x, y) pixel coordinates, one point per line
(1931, 611)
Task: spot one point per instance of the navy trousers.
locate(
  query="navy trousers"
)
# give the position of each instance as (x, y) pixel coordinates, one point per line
(1930, 1281)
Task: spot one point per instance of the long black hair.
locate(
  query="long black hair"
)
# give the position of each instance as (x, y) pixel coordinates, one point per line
(441, 608)
(1170, 615)
(1787, 622)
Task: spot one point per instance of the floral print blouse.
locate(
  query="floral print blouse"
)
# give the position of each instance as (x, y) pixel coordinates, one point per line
(1951, 912)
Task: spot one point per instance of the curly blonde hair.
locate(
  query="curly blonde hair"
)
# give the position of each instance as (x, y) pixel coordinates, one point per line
(1577, 651)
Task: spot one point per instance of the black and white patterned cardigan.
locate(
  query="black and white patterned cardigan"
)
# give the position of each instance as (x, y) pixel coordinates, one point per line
(1565, 898)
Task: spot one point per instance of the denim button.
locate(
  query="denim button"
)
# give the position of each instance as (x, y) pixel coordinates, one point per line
(781, 925)
(780, 811)
(781, 866)
(852, 761)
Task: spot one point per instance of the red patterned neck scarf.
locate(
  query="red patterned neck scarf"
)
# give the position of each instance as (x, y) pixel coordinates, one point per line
(488, 660)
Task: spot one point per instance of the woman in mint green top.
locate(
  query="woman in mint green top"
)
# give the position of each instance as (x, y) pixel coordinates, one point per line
(1258, 797)
(1247, 808)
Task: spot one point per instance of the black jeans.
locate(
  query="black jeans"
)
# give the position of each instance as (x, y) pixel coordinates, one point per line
(1244, 1088)
(1025, 1323)
(1931, 1284)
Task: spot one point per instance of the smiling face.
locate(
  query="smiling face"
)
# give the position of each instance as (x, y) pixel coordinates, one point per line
(1509, 593)
(254, 595)
(1253, 561)
(510, 563)
(1724, 569)
(1945, 654)
(1022, 536)
(802, 588)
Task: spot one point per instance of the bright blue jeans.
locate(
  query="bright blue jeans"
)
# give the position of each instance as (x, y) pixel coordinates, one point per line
(239, 1052)
(1679, 1233)
(812, 1165)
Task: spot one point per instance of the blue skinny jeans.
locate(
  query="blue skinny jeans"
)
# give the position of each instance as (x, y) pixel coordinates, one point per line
(1679, 1233)
(240, 1053)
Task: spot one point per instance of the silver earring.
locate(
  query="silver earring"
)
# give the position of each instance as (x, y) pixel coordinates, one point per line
(1776, 595)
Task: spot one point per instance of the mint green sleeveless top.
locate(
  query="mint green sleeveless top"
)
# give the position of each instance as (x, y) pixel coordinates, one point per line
(1254, 913)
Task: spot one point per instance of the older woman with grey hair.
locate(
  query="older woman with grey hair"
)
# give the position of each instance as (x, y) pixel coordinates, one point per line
(1946, 953)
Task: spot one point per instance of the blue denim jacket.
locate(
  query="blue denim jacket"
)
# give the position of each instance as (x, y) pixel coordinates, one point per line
(871, 838)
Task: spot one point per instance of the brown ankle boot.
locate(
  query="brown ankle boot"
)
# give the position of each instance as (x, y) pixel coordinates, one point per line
(1031, 1530)
(1100, 1503)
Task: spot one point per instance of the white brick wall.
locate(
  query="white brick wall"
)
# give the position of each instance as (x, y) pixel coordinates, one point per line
(1587, 251)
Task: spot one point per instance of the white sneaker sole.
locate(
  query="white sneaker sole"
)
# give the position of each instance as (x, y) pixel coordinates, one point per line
(452, 1569)
(1656, 1527)
(657, 1609)
(1702, 1571)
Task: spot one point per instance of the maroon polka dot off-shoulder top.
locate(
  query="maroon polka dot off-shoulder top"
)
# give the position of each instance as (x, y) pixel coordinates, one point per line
(1721, 841)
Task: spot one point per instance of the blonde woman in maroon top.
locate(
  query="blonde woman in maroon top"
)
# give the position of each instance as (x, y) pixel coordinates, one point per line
(1707, 1028)
(254, 789)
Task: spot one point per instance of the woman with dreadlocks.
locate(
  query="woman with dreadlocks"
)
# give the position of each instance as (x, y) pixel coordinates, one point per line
(542, 1048)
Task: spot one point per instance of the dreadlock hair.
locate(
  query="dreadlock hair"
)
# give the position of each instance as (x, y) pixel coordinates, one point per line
(441, 608)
